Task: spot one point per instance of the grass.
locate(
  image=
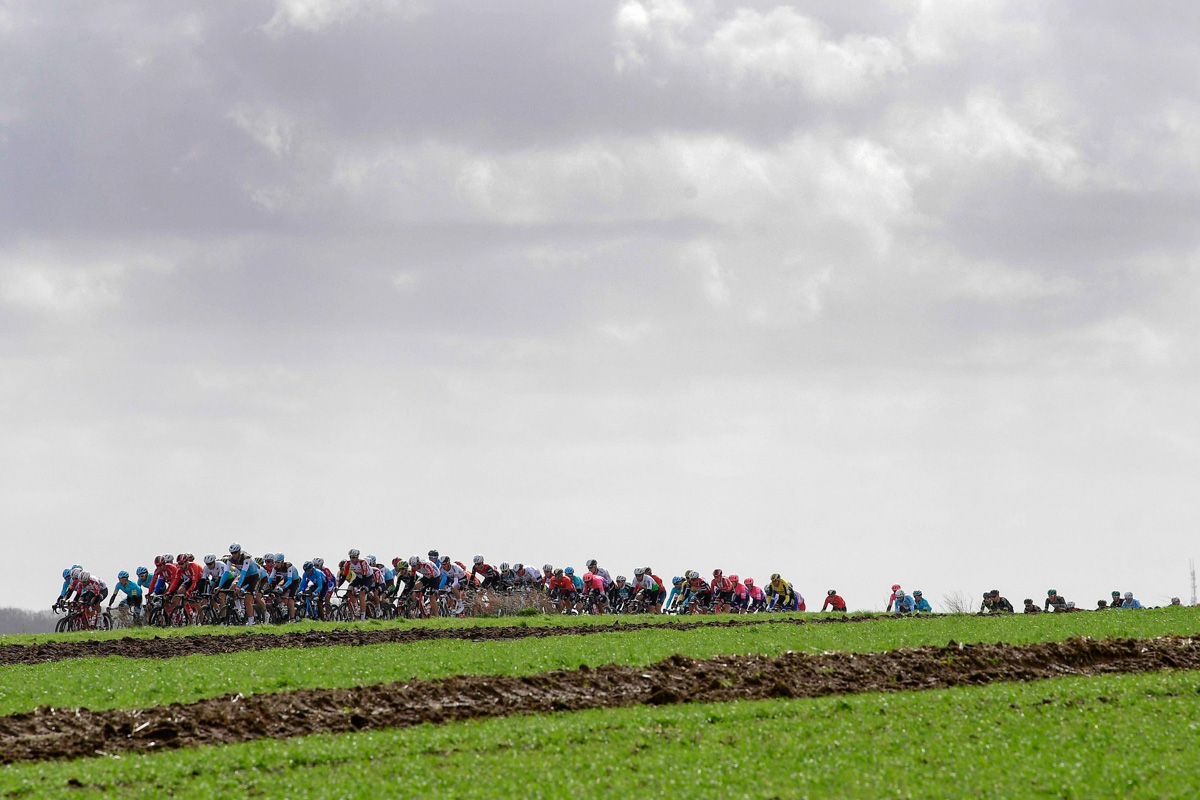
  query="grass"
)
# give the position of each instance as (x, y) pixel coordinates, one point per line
(115, 682)
(1128, 736)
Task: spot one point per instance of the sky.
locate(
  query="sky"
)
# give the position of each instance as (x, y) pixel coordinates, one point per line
(857, 293)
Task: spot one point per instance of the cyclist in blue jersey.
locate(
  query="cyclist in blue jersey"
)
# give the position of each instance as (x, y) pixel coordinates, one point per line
(247, 585)
(312, 585)
(132, 592)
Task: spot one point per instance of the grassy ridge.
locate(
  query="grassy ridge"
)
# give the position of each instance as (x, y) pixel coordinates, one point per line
(1128, 736)
(544, 620)
(113, 682)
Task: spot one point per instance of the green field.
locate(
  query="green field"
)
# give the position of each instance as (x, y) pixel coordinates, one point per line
(114, 682)
(1126, 736)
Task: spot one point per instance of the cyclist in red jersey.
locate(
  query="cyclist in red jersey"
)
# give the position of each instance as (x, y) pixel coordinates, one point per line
(832, 598)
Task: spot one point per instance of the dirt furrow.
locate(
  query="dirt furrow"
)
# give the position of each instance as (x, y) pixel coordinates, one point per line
(57, 733)
(211, 644)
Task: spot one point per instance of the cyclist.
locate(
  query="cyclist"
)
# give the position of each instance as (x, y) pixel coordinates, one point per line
(191, 583)
(921, 605)
(781, 595)
(508, 578)
(596, 569)
(330, 584)
(675, 598)
(484, 575)
(216, 576)
(312, 587)
(456, 577)
(653, 596)
(562, 591)
(1130, 602)
(527, 576)
(576, 580)
(892, 597)
(741, 595)
(619, 595)
(903, 603)
(547, 574)
(143, 580)
(1031, 608)
(90, 595)
(832, 598)
(1053, 598)
(247, 586)
(165, 573)
(288, 584)
(594, 592)
(758, 598)
(429, 580)
(722, 592)
(997, 604)
(701, 592)
(133, 593)
(70, 576)
(1116, 600)
(358, 572)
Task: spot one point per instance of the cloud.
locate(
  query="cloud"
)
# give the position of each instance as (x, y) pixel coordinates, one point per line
(315, 15)
(777, 49)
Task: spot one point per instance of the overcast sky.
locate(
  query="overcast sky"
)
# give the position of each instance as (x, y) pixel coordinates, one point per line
(860, 293)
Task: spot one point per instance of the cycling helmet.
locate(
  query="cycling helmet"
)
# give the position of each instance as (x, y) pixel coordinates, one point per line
(1116, 594)
(749, 581)
(569, 570)
(591, 562)
(831, 592)
(259, 560)
(477, 560)
(235, 548)
(396, 560)
(677, 579)
(85, 576)
(143, 571)
(547, 568)
(318, 562)
(716, 573)
(168, 558)
(638, 572)
(66, 573)
(158, 561)
(307, 566)
(342, 564)
(76, 572)
(210, 559)
(445, 559)
(181, 558)
(987, 595)
(693, 575)
(270, 557)
(995, 592)
(1129, 595)
(353, 553)
(895, 586)
(733, 578)
(504, 566)
(1051, 592)
(434, 555)
(1029, 601)
(647, 571)
(620, 579)
(414, 560)
(558, 571)
(899, 596)
(122, 575)
(916, 593)
(517, 567)
(775, 577)
(370, 560)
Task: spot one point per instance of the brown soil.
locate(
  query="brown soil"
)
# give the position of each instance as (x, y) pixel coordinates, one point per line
(211, 644)
(49, 733)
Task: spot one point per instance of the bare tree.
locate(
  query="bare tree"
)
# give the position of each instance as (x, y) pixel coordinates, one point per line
(957, 602)
(18, 620)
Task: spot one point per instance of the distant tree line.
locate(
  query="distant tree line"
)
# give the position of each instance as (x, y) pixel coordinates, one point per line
(18, 620)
